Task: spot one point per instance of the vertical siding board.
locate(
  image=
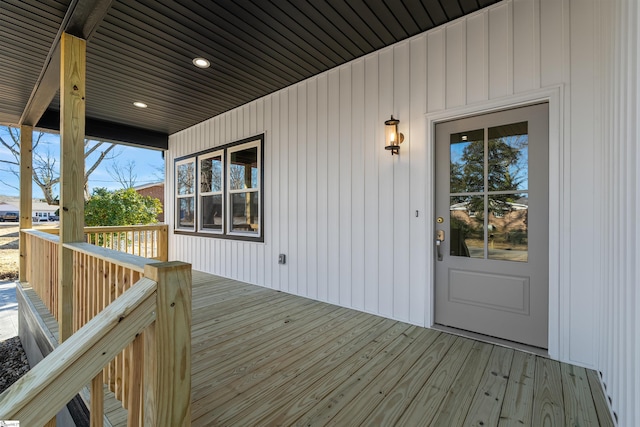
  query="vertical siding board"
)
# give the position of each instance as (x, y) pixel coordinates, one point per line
(456, 71)
(385, 182)
(417, 183)
(264, 123)
(401, 183)
(259, 128)
(581, 169)
(312, 188)
(551, 48)
(358, 185)
(499, 52)
(523, 45)
(373, 146)
(275, 188)
(292, 191)
(323, 192)
(333, 184)
(303, 194)
(345, 173)
(284, 185)
(436, 78)
(477, 64)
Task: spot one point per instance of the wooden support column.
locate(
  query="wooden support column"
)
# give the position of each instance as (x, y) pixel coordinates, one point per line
(167, 364)
(72, 120)
(26, 193)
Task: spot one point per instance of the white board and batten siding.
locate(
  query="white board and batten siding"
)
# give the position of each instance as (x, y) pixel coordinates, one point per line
(356, 222)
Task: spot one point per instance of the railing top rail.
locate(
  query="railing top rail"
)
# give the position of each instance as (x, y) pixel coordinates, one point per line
(133, 262)
(118, 228)
(39, 394)
(54, 238)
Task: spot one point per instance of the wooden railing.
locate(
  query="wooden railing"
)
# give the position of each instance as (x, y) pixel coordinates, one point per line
(149, 241)
(100, 276)
(42, 267)
(154, 315)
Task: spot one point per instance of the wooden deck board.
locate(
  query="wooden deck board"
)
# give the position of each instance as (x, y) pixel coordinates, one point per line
(263, 357)
(333, 366)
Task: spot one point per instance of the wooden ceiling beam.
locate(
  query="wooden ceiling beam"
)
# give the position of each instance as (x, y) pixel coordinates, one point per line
(81, 20)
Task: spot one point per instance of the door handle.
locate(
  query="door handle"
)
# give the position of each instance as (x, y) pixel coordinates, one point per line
(439, 240)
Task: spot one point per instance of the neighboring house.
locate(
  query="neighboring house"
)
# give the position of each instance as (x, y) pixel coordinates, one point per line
(43, 211)
(155, 190)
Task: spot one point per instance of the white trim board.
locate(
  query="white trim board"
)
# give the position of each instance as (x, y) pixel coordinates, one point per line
(558, 175)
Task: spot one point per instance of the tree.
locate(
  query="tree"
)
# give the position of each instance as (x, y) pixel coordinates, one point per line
(125, 174)
(45, 170)
(506, 171)
(120, 207)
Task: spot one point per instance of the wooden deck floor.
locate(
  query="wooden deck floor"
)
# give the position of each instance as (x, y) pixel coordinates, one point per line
(263, 358)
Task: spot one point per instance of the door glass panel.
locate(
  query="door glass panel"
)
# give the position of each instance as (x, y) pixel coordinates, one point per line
(508, 230)
(467, 162)
(509, 157)
(467, 226)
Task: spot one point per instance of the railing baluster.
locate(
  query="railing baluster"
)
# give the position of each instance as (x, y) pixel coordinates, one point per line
(97, 401)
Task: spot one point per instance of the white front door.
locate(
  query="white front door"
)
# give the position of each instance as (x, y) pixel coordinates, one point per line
(492, 238)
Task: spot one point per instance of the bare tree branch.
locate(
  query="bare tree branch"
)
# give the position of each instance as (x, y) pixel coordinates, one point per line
(124, 174)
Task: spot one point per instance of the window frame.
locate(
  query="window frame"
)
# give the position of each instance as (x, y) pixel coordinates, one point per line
(226, 232)
(201, 194)
(178, 197)
(229, 192)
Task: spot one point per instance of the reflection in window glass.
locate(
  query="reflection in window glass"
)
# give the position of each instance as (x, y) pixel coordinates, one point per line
(186, 212)
(467, 226)
(467, 162)
(507, 230)
(244, 212)
(243, 171)
(509, 157)
(211, 208)
(211, 174)
(185, 178)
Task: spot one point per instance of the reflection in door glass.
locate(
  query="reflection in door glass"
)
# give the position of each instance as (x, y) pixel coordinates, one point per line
(508, 230)
(509, 157)
(467, 162)
(467, 226)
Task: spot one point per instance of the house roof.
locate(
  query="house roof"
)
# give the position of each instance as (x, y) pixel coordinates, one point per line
(142, 50)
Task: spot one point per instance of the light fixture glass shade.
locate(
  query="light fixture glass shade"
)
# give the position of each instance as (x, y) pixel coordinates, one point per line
(393, 139)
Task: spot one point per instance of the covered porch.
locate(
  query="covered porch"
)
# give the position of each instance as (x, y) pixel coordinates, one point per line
(264, 357)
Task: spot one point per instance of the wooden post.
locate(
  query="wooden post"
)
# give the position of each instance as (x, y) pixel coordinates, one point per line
(72, 121)
(167, 380)
(26, 194)
(163, 244)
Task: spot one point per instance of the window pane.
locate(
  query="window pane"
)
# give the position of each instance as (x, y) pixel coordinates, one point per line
(509, 157)
(211, 174)
(211, 208)
(243, 171)
(186, 212)
(467, 226)
(467, 161)
(507, 229)
(185, 179)
(244, 212)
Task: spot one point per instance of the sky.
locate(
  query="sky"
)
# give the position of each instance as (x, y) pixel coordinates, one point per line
(149, 165)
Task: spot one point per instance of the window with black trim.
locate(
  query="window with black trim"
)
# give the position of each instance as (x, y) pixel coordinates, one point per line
(226, 201)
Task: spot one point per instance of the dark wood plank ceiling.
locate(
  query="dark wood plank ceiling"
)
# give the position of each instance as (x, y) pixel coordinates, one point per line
(143, 51)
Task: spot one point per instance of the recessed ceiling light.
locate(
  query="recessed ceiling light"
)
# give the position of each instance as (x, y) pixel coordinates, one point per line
(140, 104)
(201, 63)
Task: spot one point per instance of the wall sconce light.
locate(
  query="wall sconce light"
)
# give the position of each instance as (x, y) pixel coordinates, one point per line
(393, 138)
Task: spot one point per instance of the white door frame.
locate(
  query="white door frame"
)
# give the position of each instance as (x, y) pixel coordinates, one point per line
(559, 172)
